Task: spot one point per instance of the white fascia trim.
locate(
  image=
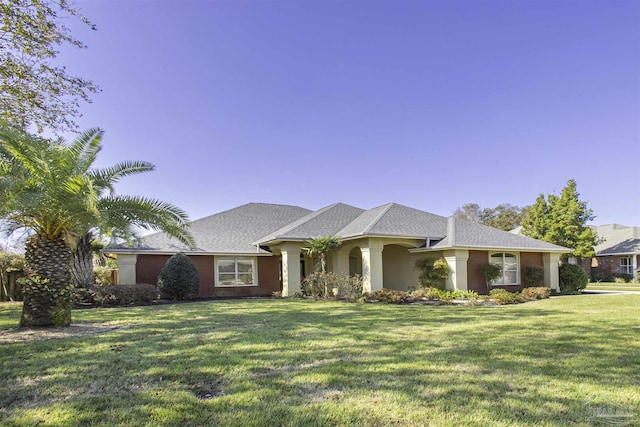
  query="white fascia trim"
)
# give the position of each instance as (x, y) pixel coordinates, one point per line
(278, 240)
(491, 248)
(619, 253)
(387, 236)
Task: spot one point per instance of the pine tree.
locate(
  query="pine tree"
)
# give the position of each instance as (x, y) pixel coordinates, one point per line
(562, 220)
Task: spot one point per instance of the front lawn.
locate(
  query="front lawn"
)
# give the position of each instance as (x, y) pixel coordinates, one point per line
(267, 362)
(613, 286)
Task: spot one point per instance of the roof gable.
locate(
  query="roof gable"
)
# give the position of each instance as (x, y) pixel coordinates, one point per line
(327, 221)
(396, 220)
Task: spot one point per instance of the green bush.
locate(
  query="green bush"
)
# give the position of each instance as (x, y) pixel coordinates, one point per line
(502, 296)
(490, 272)
(536, 293)
(331, 285)
(622, 277)
(534, 276)
(102, 275)
(179, 278)
(388, 296)
(433, 272)
(116, 295)
(572, 279)
(434, 294)
(600, 276)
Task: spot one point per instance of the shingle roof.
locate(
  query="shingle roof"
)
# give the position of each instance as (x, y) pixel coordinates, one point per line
(462, 233)
(629, 246)
(231, 231)
(245, 228)
(396, 220)
(618, 239)
(327, 221)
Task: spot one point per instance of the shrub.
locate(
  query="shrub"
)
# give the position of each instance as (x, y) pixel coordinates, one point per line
(434, 272)
(102, 275)
(433, 294)
(491, 272)
(388, 296)
(534, 276)
(572, 279)
(502, 296)
(116, 295)
(330, 285)
(601, 276)
(179, 279)
(622, 277)
(536, 293)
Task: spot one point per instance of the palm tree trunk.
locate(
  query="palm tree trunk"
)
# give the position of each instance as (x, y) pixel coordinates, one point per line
(82, 263)
(323, 262)
(47, 291)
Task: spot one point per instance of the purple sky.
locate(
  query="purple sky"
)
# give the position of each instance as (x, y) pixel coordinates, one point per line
(431, 104)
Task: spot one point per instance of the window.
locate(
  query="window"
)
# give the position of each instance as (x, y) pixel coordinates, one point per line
(509, 264)
(626, 265)
(236, 271)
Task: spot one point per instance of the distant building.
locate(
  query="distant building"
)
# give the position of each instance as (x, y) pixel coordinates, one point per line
(619, 252)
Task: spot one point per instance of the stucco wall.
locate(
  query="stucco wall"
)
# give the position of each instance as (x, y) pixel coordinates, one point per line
(399, 270)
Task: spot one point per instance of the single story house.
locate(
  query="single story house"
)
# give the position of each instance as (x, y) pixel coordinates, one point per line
(619, 251)
(256, 249)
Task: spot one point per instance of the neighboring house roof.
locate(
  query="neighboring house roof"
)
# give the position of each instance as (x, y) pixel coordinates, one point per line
(467, 234)
(247, 228)
(619, 240)
(231, 231)
(327, 221)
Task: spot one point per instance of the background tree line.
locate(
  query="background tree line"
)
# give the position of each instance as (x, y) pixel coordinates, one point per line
(561, 220)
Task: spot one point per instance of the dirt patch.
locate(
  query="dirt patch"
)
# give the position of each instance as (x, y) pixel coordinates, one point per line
(14, 335)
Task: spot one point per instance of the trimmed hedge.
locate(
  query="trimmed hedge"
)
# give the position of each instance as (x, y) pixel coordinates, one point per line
(179, 278)
(116, 295)
(502, 296)
(573, 279)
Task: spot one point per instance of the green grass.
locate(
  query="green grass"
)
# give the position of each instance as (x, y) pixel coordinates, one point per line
(613, 286)
(562, 361)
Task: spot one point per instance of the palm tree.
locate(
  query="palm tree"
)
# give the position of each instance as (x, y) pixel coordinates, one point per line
(320, 247)
(45, 189)
(118, 214)
(49, 188)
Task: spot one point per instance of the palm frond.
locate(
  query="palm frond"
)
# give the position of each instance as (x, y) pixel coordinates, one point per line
(85, 149)
(151, 214)
(105, 178)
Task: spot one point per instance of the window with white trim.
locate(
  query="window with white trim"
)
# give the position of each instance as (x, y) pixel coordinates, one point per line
(236, 271)
(626, 265)
(509, 265)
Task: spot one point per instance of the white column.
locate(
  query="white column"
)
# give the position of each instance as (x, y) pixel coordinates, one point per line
(550, 265)
(457, 261)
(341, 261)
(127, 269)
(372, 277)
(634, 263)
(290, 269)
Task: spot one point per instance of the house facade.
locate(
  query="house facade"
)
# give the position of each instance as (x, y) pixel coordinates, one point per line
(619, 252)
(257, 249)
